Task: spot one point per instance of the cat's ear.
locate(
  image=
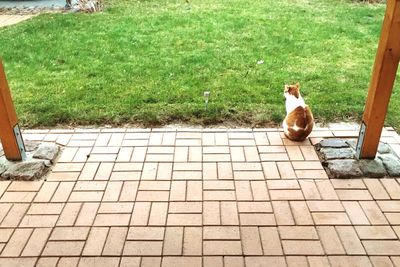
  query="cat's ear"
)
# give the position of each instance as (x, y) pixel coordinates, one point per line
(297, 85)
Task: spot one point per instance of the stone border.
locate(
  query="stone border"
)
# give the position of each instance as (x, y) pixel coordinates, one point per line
(339, 160)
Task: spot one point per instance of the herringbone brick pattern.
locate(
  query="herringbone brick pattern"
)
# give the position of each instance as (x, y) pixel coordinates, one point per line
(197, 197)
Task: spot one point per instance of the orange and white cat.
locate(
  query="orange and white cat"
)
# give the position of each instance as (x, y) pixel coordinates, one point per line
(299, 120)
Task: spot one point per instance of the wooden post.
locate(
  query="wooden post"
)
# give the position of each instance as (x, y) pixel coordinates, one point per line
(10, 134)
(382, 81)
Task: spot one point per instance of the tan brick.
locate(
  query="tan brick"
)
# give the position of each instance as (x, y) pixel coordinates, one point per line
(23, 197)
(309, 189)
(382, 247)
(69, 214)
(5, 234)
(104, 171)
(89, 171)
(270, 241)
(326, 190)
(45, 208)
(254, 207)
(270, 170)
(373, 213)
(375, 232)
(215, 261)
(112, 220)
(211, 213)
(355, 212)
(129, 191)
(65, 248)
(149, 170)
(152, 196)
(139, 154)
(354, 195)
(222, 248)
(294, 153)
(251, 242)
(32, 186)
(221, 232)
(63, 191)
(26, 262)
(181, 261)
(115, 241)
(16, 243)
(134, 262)
(298, 247)
(87, 214)
(47, 262)
(234, 261)
(265, 261)
(274, 157)
(311, 174)
(36, 242)
(46, 192)
(194, 191)
(229, 213)
(260, 191)
(350, 240)
(97, 261)
(309, 153)
(125, 176)
(178, 191)
(286, 170)
(173, 241)
(141, 212)
(301, 214)
(392, 187)
(248, 175)
(389, 206)
(330, 240)
(143, 248)
(257, 219)
(158, 214)
(95, 242)
(68, 167)
(68, 262)
(282, 213)
(39, 221)
(124, 154)
(330, 218)
(86, 196)
(296, 261)
(318, 261)
(146, 233)
(298, 232)
(219, 195)
(348, 184)
(14, 215)
(286, 195)
(185, 207)
(164, 171)
(376, 189)
(225, 170)
(112, 191)
(193, 241)
(218, 185)
(69, 233)
(184, 219)
(381, 261)
(325, 206)
(127, 166)
(307, 165)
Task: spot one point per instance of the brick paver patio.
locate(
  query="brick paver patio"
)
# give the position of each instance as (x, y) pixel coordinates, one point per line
(192, 197)
(6, 20)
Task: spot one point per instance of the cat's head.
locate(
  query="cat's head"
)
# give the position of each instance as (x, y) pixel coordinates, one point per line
(293, 89)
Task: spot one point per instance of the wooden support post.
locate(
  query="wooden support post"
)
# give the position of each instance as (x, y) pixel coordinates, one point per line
(382, 81)
(10, 134)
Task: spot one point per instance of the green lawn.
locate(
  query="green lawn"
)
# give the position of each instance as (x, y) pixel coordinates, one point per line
(149, 62)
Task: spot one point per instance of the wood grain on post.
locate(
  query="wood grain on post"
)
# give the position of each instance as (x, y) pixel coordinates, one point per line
(8, 120)
(382, 81)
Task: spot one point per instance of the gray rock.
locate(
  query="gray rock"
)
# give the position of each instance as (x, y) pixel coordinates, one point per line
(346, 168)
(47, 151)
(383, 148)
(25, 171)
(337, 153)
(372, 168)
(336, 143)
(31, 145)
(391, 163)
(352, 143)
(3, 167)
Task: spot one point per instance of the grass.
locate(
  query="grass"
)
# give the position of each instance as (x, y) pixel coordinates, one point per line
(149, 62)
